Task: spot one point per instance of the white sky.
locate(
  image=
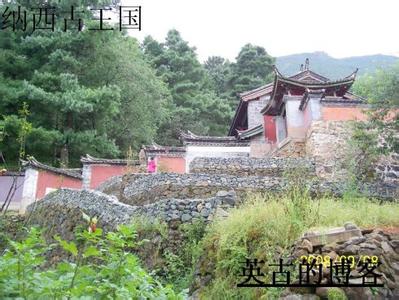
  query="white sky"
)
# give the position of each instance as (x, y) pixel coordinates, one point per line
(219, 27)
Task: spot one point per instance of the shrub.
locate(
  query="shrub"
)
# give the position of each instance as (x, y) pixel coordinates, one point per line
(102, 266)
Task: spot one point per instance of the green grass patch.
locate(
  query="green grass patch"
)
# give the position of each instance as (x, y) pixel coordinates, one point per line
(265, 227)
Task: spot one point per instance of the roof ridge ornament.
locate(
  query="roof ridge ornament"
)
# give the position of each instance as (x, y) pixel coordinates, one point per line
(307, 64)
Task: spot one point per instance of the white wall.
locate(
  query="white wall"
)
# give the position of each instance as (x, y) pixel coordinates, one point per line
(29, 189)
(254, 107)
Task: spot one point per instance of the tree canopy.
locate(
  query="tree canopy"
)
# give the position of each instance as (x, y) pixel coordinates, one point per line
(87, 92)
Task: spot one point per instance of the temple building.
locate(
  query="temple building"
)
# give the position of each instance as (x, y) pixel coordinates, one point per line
(280, 113)
(273, 120)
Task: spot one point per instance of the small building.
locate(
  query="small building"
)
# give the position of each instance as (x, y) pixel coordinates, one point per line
(41, 179)
(280, 113)
(273, 120)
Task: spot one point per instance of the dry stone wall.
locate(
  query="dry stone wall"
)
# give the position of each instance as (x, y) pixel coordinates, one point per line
(244, 166)
(352, 243)
(327, 144)
(141, 189)
(388, 168)
(60, 212)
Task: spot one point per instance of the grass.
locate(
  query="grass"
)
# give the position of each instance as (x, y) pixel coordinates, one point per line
(265, 227)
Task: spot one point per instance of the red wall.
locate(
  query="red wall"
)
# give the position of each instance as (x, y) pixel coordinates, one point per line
(270, 128)
(52, 180)
(343, 113)
(100, 173)
(171, 164)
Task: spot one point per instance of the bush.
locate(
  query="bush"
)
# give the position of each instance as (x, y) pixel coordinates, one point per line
(102, 266)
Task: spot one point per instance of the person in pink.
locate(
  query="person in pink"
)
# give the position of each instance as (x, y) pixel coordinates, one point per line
(151, 166)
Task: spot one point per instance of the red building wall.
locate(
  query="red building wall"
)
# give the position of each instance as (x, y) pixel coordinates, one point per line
(100, 173)
(343, 113)
(171, 164)
(270, 128)
(52, 180)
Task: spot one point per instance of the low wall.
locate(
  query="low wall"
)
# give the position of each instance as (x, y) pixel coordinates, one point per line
(141, 189)
(60, 212)
(244, 166)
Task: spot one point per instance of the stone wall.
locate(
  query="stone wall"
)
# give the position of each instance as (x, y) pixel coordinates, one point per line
(333, 243)
(327, 144)
(60, 212)
(351, 241)
(388, 168)
(275, 167)
(141, 189)
(291, 148)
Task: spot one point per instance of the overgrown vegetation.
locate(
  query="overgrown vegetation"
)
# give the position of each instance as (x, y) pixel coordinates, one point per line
(378, 135)
(102, 267)
(266, 226)
(171, 261)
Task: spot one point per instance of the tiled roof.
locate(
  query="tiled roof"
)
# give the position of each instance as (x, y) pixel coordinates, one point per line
(93, 160)
(33, 163)
(256, 93)
(190, 138)
(169, 151)
(244, 134)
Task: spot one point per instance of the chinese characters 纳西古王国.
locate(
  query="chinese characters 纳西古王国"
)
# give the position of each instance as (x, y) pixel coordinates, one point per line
(46, 18)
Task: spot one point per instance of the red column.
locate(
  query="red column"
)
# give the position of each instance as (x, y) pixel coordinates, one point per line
(270, 128)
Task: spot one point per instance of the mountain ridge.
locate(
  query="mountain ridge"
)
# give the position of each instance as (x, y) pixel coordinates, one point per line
(334, 68)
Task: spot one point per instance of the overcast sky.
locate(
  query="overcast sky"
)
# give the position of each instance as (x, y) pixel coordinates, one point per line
(220, 27)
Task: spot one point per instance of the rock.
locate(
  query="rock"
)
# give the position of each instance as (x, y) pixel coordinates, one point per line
(306, 245)
(221, 213)
(222, 194)
(355, 240)
(205, 212)
(386, 247)
(351, 249)
(350, 226)
(395, 245)
(185, 218)
(358, 293)
(199, 207)
(174, 217)
(368, 246)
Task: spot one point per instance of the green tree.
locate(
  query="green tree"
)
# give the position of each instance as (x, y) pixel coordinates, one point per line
(88, 92)
(194, 105)
(218, 70)
(252, 69)
(382, 91)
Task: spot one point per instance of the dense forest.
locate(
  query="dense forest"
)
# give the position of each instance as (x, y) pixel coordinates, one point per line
(65, 93)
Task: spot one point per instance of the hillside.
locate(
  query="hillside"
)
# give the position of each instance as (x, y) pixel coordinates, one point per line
(332, 67)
